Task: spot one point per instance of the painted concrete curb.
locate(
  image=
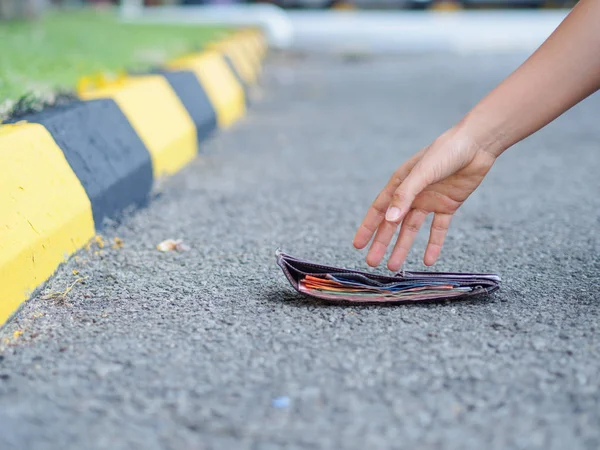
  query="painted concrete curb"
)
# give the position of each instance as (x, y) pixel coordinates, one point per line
(66, 170)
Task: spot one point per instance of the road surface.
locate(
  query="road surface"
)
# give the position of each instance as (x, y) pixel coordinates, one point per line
(210, 348)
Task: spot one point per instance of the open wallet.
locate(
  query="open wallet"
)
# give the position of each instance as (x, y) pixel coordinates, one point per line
(344, 285)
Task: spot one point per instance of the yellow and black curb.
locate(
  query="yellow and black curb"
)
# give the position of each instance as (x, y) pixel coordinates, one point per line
(65, 170)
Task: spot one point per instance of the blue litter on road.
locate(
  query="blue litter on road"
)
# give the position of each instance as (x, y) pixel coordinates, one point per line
(281, 402)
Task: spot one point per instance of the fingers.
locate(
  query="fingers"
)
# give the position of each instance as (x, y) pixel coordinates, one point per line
(374, 217)
(382, 239)
(437, 235)
(404, 196)
(376, 213)
(409, 230)
(396, 202)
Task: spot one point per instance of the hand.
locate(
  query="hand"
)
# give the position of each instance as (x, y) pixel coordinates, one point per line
(437, 180)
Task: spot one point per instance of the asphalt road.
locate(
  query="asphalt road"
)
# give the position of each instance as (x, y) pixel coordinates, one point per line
(193, 350)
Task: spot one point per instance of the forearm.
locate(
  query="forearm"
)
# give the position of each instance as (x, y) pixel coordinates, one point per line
(561, 73)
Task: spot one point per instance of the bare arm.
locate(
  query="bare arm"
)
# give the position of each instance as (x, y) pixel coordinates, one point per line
(561, 73)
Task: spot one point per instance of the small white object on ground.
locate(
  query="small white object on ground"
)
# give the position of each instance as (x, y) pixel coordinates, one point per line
(169, 245)
(281, 402)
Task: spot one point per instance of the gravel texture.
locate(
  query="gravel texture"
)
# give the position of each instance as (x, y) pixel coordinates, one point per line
(210, 348)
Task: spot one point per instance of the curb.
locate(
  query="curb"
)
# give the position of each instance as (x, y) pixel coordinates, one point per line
(68, 168)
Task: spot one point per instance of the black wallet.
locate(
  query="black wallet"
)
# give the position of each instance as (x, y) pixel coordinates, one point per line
(345, 285)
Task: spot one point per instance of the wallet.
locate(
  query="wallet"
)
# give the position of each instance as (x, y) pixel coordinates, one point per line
(341, 285)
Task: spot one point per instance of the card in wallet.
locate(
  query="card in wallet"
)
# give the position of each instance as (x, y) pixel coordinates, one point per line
(354, 286)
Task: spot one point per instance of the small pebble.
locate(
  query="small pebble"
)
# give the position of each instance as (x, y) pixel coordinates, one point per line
(281, 402)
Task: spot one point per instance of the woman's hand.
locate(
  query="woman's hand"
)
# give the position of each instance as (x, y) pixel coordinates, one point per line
(437, 180)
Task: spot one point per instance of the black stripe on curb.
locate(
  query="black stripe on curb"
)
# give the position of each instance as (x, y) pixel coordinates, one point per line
(110, 160)
(238, 77)
(194, 98)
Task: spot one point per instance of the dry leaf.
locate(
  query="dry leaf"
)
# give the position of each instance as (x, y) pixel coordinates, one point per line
(61, 297)
(118, 243)
(99, 241)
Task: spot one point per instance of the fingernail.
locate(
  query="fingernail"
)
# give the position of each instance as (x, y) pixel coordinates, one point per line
(392, 214)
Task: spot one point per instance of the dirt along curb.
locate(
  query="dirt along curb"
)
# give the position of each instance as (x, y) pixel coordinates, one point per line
(67, 169)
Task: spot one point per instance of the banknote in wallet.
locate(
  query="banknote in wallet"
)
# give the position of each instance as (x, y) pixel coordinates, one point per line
(345, 285)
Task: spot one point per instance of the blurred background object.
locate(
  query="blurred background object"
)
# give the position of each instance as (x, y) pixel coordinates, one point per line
(18, 9)
(397, 26)
(418, 4)
(22, 9)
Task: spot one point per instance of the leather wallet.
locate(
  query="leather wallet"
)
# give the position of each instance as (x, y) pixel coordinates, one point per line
(341, 285)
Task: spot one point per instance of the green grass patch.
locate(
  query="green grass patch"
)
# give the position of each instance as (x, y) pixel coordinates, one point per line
(40, 58)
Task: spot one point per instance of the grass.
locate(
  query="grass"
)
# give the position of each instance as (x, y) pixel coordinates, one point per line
(43, 57)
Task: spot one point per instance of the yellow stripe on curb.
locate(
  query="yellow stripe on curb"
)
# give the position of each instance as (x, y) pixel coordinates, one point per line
(346, 6)
(233, 49)
(446, 6)
(256, 36)
(256, 39)
(159, 118)
(252, 49)
(223, 90)
(250, 41)
(45, 213)
(262, 41)
(256, 52)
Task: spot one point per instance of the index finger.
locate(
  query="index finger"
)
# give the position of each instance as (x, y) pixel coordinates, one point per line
(376, 212)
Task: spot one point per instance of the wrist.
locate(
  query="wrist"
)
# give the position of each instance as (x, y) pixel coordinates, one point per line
(482, 134)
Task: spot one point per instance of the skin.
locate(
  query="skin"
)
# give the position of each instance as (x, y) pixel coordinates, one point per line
(439, 178)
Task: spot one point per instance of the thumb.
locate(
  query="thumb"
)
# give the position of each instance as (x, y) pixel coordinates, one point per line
(404, 196)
